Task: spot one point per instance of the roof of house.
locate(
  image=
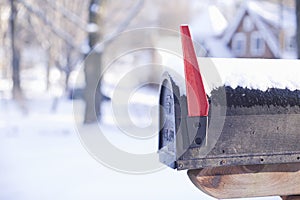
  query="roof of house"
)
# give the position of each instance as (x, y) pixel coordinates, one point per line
(212, 30)
(277, 15)
(207, 27)
(262, 13)
(266, 33)
(209, 22)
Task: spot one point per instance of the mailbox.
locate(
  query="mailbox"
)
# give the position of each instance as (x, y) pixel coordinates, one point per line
(250, 116)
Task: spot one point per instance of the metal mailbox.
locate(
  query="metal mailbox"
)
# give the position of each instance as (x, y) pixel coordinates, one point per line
(232, 124)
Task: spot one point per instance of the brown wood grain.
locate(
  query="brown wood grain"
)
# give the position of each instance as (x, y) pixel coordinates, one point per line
(291, 197)
(248, 181)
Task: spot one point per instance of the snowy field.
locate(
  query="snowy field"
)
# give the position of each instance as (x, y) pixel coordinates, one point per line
(42, 158)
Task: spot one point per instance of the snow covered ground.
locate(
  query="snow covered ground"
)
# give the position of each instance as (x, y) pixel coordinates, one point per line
(42, 158)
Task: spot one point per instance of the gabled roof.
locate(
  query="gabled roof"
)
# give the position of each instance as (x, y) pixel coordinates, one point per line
(275, 14)
(210, 22)
(249, 7)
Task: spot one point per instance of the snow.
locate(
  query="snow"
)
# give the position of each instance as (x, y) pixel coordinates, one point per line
(94, 8)
(278, 16)
(34, 78)
(92, 28)
(259, 74)
(234, 24)
(268, 36)
(217, 47)
(85, 48)
(289, 54)
(219, 22)
(209, 22)
(248, 73)
(5, 85)
(42, 158)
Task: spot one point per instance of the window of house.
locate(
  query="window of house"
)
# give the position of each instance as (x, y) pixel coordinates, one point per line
(239, 44)
(257, 44)
(290, 43)
(248, 24)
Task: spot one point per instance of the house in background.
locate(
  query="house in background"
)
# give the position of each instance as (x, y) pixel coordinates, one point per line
(260, 30)
(208, 26)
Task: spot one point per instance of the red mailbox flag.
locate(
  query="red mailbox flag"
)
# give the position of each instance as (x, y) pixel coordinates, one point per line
(196, 96)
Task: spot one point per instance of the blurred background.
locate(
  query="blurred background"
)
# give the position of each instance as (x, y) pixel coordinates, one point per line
(52, 56)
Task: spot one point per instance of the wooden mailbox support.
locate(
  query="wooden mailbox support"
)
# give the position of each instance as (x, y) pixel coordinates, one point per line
(248, 181)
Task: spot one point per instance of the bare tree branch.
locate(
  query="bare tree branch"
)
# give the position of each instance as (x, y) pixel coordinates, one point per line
(69, 15)
(122, 26)
(57, 31)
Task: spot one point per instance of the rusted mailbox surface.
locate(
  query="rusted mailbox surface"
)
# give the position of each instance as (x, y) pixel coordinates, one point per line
(242, 121)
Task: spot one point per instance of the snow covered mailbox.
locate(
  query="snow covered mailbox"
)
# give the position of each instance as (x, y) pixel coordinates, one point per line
(231, 112)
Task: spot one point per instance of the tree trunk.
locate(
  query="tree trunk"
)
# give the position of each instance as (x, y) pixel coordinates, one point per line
(15, 57)
(93, 67)
(48, 65)
(298, 27)
(68, 68)
(92, 93)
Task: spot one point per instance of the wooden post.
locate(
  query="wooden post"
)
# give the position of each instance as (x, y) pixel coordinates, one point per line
(291, 198)
(249, 181)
